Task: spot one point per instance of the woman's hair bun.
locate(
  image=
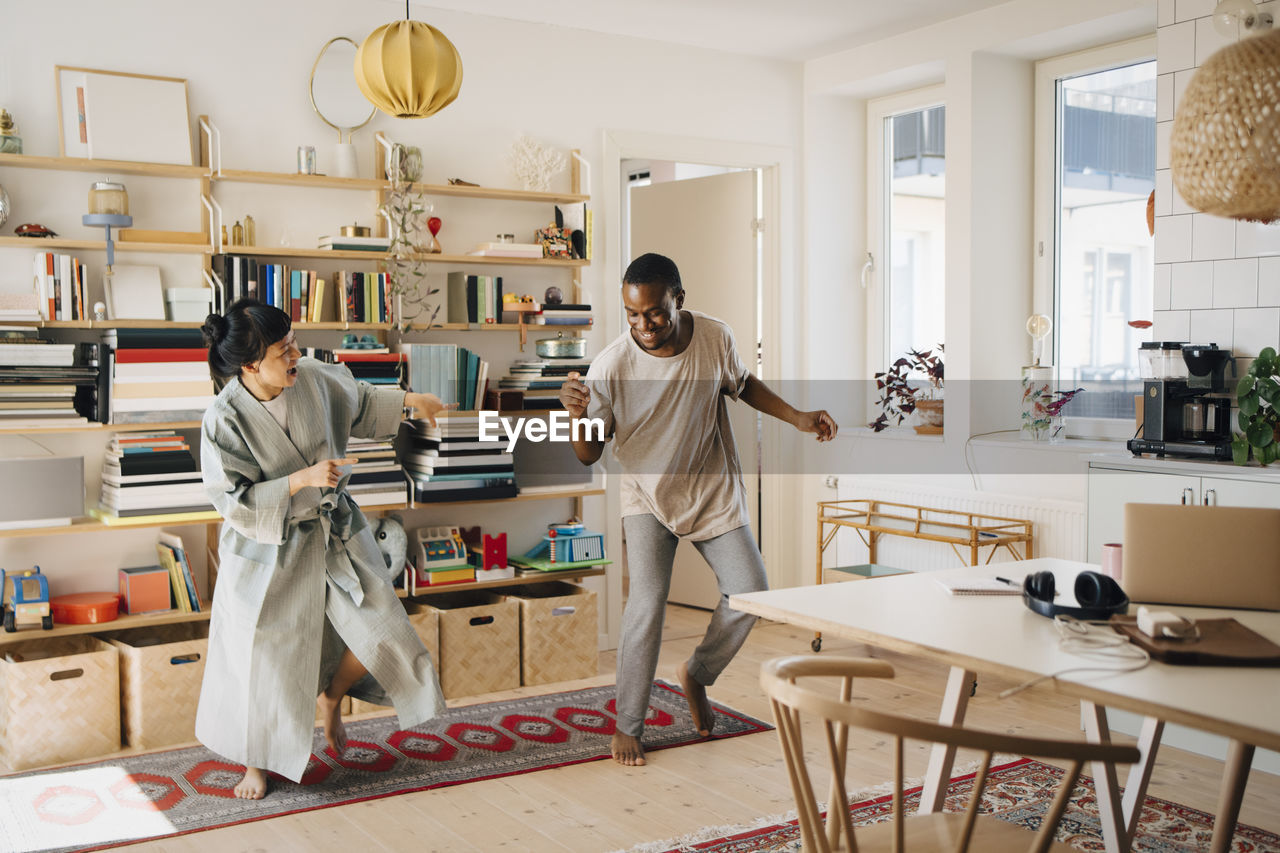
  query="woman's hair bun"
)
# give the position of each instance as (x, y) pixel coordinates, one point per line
(214, 329)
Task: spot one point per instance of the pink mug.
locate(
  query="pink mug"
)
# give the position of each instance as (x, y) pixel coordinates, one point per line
(1112, 561)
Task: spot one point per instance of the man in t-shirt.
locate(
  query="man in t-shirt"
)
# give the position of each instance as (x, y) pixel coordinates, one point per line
(660, 389)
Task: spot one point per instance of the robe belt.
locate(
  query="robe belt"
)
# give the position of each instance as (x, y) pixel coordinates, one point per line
(334, 516)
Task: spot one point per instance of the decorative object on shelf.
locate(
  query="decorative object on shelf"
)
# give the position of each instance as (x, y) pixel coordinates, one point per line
(458, 182)
(561, 347)
(10, 142)
(99, 311)
(306, 159)
(534, 164)
(24, 598)
(1037, 382)
(899, 398)
(404, 162)
(112, 115)
(1229, 16)
(1226, 132)
(109, 197)
(32, 229)
(433, 225)
(408, 69)
(354, 230)
(85, 608)
(237, 234)
(224, 235)
(1057, 423)
(338, 101)
(555, 241)
(108, 221)
(250, 231)
(1258, 397)
(552, 296)
(405, 211)
(4, 205)
(393, 542)
(134, 292)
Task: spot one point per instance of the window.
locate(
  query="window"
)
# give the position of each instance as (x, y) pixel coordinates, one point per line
(1095, 167)
(906, 224)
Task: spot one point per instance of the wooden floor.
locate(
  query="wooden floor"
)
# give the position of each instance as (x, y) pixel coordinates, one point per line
(600, 806)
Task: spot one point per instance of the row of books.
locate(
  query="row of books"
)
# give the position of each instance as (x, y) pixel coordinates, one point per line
(306, 295)
(43, 384)
(168, 586)
(454, 374)
(58, 281)
(474, 298)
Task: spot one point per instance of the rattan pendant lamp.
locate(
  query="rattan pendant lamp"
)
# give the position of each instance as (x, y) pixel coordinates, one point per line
(408, 69)
(1225, 147)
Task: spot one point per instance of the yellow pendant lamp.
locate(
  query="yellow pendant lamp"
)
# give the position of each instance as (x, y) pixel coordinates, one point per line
(408, 69)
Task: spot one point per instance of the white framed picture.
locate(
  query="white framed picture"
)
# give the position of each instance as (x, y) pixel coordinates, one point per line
(112, 115)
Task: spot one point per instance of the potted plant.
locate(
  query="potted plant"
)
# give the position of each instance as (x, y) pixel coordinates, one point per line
(899, 397)
(1258, 395)
(406, 212)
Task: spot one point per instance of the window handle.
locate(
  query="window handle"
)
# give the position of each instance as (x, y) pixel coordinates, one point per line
(867, 269)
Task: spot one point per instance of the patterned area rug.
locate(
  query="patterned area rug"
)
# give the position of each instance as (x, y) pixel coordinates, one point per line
(107, 803)
(1019, 792)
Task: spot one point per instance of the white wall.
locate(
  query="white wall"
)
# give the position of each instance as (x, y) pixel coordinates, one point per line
(1217, 280)
(247, 66)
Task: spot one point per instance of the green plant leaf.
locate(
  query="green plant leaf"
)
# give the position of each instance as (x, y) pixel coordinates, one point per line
(1244, 386)
(1249, 405)
(1264, 366)
(1270, 454)
(1260, 434)
(1268, 353)
(1269, 391)
(1239, 449)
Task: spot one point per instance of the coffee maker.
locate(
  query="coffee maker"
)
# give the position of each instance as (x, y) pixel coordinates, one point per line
(1186, 407)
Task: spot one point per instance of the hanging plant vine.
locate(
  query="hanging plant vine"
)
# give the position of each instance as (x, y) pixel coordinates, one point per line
(406, 210)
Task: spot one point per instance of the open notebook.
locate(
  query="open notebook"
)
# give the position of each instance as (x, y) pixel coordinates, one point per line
(979, 586)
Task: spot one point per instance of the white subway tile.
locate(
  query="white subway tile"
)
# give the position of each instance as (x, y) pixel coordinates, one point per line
(1180, 205)
(1268, 281)
(1164, 129)
(1255, 328)
(1186, 10)
(1173, 239)
(1208, 40)
(1165, 13)
(1235, 283)
(1164, 192)
(1176, 47)
(1160, 287)
(1191, 286)
(1212, 237)
(1164, 97)
(1254, 239)
(1171, 326)
(1212, 327)
(1180, 81)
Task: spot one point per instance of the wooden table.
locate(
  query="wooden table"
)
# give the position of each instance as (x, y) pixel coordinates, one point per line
(913, 614)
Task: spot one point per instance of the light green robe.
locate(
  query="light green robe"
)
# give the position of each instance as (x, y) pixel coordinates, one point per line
(299, 577)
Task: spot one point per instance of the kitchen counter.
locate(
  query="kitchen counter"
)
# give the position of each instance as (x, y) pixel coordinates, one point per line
(1193, 467)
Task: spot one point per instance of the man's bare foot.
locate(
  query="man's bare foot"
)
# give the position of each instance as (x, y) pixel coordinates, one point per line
(627, 750)
(695, 694)
(331, 717)
(253, 786)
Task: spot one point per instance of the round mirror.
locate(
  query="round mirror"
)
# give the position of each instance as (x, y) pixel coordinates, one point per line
(334, 94)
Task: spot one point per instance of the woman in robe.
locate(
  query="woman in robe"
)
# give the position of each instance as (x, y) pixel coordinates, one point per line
(303, 611)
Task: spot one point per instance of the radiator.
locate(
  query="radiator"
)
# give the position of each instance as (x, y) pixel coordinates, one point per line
(1059, 526)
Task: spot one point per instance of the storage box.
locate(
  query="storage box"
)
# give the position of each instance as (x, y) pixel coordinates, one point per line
(558, 639)
(161, 668)
(59, 701)
(479, 643)
(426, 622)
(188, 304)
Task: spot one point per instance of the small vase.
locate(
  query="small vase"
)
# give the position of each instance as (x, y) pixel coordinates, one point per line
(1036, 394)
(1057, 429)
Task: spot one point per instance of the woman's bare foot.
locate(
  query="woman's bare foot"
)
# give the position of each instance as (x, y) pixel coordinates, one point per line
(627, 750)
(253, 786)
(695, 694)
(331, 717)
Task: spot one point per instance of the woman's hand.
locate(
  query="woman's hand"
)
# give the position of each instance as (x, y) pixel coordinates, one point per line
(817, 422)
(323, 474)
(426, 406)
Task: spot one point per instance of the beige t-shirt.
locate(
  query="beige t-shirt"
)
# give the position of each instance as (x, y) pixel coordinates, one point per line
(671, 433)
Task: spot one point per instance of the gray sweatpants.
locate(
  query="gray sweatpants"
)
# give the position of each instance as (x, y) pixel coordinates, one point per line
(651, 550)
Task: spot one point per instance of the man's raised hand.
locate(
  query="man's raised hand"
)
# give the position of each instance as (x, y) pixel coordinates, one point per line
(575, 396)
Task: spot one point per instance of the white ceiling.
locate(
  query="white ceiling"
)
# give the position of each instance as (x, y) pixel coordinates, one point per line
(796, 30)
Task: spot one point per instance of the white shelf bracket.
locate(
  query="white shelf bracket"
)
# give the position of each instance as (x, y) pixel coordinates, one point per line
(585, 189)
(215, 146)
(215, 222)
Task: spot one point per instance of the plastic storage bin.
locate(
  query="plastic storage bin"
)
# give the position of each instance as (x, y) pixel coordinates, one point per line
(558, 634)
(59, 701)
(188, 304)
(161, 668)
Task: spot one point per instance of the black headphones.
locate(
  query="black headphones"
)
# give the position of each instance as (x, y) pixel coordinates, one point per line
(1099, 596)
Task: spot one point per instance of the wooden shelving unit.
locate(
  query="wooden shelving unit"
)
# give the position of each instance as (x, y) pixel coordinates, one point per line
(374, 257)
(120, 623)
(61, 243)
(521, 578)
(107, 428)
(103, 167)
(289, 179)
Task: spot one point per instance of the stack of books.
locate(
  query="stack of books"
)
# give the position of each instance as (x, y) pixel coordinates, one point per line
(453, 373)
(160, 376)
(375, 366)
(354, 244)
(377, 479)
(449, 462)
(150, 473)
(561, 314)
(539, 381)
(43, 384)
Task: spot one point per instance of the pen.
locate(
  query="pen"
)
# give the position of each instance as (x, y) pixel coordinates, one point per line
(1005, 580)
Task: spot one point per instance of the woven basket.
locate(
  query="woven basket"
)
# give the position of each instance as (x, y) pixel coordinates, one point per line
(1225, 148)
(558, 640)
(426, 622)
(479, 643)
(161, 669)
(61, 703)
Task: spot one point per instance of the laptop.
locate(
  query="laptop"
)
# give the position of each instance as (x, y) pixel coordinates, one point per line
(1206, 556)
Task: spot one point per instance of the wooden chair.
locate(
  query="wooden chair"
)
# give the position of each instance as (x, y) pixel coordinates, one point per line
(957, 832)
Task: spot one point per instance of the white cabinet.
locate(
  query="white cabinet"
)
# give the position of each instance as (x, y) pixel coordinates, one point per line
(1114, 482)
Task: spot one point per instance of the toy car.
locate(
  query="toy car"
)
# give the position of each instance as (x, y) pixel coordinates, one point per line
(25, 599)
(32, 229)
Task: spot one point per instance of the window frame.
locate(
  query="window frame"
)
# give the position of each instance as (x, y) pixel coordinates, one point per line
(1047, 164)
(878, 111)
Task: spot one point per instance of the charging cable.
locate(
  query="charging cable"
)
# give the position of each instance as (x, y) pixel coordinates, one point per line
(1082, 639)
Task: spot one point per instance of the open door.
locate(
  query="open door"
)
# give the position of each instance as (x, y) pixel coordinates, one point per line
(706, 225)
